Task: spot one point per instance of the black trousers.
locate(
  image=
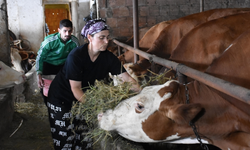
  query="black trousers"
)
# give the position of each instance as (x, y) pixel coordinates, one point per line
(67, 135)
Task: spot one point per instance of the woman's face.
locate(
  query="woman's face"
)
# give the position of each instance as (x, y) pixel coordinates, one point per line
(100, 40)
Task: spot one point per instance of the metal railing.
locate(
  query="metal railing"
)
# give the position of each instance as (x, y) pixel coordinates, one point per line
(226, 87)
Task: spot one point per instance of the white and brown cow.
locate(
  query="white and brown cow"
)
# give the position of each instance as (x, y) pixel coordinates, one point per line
(162, 113)
(9, 77)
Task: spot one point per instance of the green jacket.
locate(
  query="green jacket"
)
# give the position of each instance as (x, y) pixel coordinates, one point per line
(54, 51)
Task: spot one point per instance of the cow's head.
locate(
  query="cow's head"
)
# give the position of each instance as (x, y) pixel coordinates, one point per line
(153, 115)
(9, 77)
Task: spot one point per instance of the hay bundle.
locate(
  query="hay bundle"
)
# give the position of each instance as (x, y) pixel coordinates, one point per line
(102, 97)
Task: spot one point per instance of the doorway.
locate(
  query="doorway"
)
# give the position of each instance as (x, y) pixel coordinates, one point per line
(54, 13)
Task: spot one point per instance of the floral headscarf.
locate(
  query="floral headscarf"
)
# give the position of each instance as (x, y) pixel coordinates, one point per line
(94, 26)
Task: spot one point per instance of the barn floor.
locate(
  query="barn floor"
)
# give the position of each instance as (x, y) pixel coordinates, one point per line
(34, 131)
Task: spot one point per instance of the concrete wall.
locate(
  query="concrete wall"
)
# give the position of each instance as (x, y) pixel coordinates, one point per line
(26, 20)
(83, 11)
(4, 40)
(119, 13)
(6, 99)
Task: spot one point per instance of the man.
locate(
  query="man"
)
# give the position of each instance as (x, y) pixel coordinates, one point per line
(54, 51)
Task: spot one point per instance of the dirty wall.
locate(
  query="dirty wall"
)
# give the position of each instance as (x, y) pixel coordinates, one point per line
(119, 13)
(6, 99)
(26, 21)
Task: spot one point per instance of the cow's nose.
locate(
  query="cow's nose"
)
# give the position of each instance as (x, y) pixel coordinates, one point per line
(99, 116)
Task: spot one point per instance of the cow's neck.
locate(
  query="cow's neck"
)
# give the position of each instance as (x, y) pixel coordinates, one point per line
(221, 118)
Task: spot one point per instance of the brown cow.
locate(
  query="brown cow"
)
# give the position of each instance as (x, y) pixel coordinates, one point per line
(199, 51)
(114, 48)
(146, 41)
(162, 112)
(170, 37)
(198, 48)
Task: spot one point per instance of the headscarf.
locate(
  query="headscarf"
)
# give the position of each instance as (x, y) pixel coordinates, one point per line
(94, 26)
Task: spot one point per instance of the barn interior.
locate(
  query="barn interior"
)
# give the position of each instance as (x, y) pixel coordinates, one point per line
(24, 123)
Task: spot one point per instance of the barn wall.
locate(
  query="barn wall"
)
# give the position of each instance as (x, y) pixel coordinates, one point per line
(119, 13)
(83, 11)
(4, 43)
(26, 20)
(6, 99)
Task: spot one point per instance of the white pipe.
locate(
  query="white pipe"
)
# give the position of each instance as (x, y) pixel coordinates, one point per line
(97, 8)
(74, 8)
(201, 5)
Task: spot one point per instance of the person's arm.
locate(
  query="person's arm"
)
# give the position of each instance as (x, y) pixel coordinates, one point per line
(127, 78)
(76, 88)
(42, 53)
(40, 81)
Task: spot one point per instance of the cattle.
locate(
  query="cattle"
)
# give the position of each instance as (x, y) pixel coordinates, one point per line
(170, 36)
(199, 47)
(146, 41)
(162, 113)
(16, 59)
(219, 34)
(9, 77)
(114, 48)
(21, 59)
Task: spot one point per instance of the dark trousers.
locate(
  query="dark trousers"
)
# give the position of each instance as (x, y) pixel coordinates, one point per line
(67, 135)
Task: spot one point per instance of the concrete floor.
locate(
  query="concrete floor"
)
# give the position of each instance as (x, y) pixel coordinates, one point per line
(34, 132)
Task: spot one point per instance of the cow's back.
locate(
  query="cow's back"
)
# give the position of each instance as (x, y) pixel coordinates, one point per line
(170, 37)
(233, 64)
(206, 42)
(145, 42)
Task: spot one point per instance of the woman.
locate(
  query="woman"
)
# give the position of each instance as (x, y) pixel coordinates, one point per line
(83, 66)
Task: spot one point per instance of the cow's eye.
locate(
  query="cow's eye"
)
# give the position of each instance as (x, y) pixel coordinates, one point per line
(0, 68)
(139, 107)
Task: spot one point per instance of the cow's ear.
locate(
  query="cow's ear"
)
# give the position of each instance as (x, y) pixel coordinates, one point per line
(170, 87)
(184, 113)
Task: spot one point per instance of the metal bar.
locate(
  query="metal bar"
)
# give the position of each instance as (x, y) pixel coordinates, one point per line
(181, 77)
(135, 27)
(216, 83)
(226, 87)
(160, 61)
